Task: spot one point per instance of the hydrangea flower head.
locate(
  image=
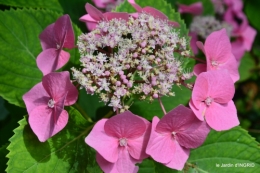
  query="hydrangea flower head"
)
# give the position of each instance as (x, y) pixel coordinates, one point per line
(217, 50)
(173, 136)
(212, 100)
(120, 58)
(45, 102)
(53, 39)
(120, 142)
(94, 16)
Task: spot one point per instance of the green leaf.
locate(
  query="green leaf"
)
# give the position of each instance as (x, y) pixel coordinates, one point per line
(235, 147)
(252, 13)
(245, 67)
(75, 8)
(91, 105)
(149, 110)
(19, 47)
(64, 152)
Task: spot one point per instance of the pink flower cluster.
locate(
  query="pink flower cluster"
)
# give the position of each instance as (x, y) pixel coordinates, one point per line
(233, 19)
(134, 54)
(130, 55)
(127, 139)
(46, 100)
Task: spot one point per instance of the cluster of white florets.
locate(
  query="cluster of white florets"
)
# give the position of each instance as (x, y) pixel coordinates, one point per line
(205, 25)
(141, 56)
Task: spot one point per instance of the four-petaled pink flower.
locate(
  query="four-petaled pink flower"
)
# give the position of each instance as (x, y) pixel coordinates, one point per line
(212, 100)
(173, 136)
(53, 38)
(219, 56)
(94, 16)
(244, 33)
(120, 142)
(45, 102)
(152, 11)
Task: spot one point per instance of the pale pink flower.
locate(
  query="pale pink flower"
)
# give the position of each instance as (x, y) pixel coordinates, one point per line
(219, 56)
(243, 42)
(94, 16)
(212, 100)
(120, 142)
(241, 30)
(45, 102)
(173, 136)
(152, 11)
(53, 39)
(195, 8)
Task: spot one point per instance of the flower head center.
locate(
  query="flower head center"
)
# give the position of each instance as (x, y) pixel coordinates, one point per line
(214, 63)
(123, 142)
(208, 101)
(51, 103)
(57, 46)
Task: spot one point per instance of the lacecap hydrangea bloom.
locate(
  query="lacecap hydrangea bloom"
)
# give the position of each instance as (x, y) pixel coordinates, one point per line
(140, 56)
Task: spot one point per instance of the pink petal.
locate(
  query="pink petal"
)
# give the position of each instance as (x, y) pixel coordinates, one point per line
(64, 33)
(229, 18)
(194, 39)
(124, 163)
(94, 13)
(179, 158)
(190, 132)
(37, 96)
(105, 145)
(116, 15)
(58, 84)
(47, 37)
(248, 36)
(51, 60)
(217, 46)
(125, 125)
(199, 111)
(176, 120)
(200, 46)
(222, 116)
(101, 3)
(194, 135)
(90, 22)
(231, 65)
(136, 147)
(154, 12)
(199, 68)
(160, 146)
(58, 107)
(195, 8)
(200, 90)
(211, 84)
(42, 122)
(238, 49)
(136, 6)
(173, 24)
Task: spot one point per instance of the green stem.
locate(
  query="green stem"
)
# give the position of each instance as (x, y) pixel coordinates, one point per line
(161, 104)
(194, 166)
(83, 112)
